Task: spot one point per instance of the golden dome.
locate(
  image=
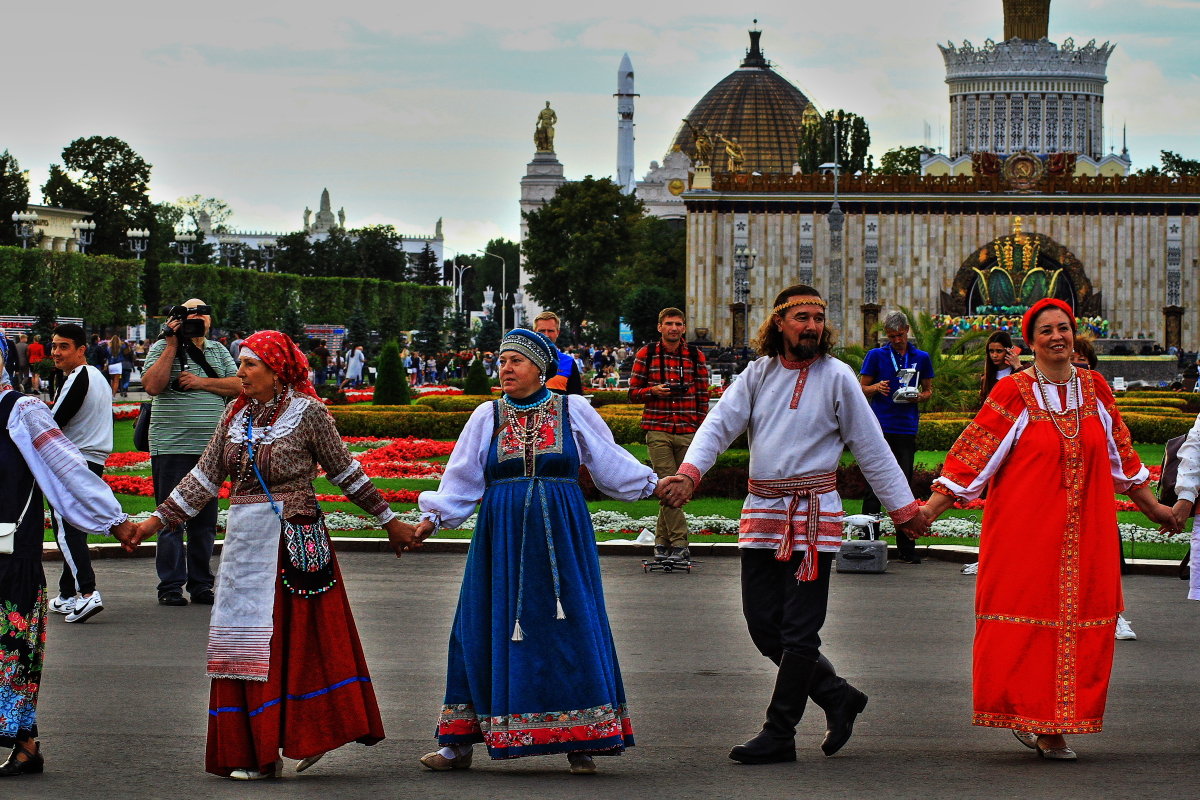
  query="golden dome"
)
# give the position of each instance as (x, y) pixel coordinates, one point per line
(756, 107)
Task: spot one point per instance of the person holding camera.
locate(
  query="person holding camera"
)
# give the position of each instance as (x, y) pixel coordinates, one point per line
(895, 378)
(190, 377)
(670, 376)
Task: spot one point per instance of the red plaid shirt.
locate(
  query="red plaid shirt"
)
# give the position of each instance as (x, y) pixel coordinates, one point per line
(675, 413)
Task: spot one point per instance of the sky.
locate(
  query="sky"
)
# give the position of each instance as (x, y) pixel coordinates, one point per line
(409, 113)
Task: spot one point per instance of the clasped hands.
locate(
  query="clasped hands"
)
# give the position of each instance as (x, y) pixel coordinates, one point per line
(674, 491)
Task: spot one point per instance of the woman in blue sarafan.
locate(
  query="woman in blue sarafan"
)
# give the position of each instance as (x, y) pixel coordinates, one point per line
(532, 669)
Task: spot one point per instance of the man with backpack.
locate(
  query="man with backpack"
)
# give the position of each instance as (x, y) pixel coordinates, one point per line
(670, 376)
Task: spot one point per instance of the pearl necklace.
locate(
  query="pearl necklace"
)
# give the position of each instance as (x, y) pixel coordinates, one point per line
(1071, 383)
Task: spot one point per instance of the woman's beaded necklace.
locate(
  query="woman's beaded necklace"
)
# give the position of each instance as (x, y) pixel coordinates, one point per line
(543, 397)
(1071, 383)
(242, 459)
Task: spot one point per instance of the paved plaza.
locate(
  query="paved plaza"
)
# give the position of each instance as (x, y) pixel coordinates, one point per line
(123, 704)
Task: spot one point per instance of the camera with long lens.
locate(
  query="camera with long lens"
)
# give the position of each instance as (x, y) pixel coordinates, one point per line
(188, 328)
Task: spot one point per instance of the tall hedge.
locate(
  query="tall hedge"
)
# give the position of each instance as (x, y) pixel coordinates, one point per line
(104, 291)
(391, 382)
(318, 300)
(477, 380)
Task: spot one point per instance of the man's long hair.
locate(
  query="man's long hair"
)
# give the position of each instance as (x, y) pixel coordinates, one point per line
(769, 341)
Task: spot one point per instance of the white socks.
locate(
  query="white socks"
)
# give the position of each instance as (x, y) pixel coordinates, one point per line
(453, 751)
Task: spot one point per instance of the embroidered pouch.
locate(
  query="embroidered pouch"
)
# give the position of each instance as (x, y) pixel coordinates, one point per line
(308, 569)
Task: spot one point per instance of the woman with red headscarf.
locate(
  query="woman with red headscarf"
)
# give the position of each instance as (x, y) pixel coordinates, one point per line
(286, 664)
(1050, 447)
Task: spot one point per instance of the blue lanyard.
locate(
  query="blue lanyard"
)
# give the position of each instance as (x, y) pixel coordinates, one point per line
(254, 463)
(892, 353)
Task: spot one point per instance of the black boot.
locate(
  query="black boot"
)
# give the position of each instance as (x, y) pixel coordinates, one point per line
(841, 703)
(777, 739)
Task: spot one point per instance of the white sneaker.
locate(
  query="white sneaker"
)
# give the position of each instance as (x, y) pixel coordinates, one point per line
(971, 569)
(86, 608)
(1124, 632)
(63, 605)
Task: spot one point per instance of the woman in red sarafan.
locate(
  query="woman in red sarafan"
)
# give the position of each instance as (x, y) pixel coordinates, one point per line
(1050, 447)
(288, 672)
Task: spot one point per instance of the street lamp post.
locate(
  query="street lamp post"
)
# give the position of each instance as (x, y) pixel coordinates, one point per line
(743, 262)
(503, 285)
(185, 243)
(229, 246)
(139, 241)
(518, 309)
(266, 250)
(459, 271)
(836, 220)
(23, 223)
(84, 233)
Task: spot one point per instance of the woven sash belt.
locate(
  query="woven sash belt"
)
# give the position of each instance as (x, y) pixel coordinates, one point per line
(809, 487)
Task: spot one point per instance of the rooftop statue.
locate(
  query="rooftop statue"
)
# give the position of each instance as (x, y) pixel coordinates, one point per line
(543, 134)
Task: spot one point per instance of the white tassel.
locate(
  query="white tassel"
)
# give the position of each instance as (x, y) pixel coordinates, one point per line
(518, 634)
(561, 614)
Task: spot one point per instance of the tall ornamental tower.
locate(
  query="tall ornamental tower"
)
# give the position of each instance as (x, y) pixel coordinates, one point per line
(1027, 93)
(625, 95)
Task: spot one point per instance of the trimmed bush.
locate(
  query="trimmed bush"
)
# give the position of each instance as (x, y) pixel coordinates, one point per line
(391, 383)
(477, 382)
(1157, 429)
(456, 402)
(939, 434)
(104, 291)
(607, 397)
(394, 423)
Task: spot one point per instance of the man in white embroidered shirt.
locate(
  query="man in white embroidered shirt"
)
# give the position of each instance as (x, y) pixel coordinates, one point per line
(802, 407)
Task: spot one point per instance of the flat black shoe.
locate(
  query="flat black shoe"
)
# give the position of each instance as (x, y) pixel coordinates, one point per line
(204, 597)
(764, 749)
(841, 721)
(33, 765)
(172, 599)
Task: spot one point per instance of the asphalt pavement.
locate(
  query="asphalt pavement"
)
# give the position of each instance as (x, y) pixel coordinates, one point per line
(124, 697)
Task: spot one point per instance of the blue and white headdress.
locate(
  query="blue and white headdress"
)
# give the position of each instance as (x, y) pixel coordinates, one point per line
(534, 346)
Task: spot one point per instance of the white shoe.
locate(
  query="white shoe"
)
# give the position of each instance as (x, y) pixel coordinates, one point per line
(255, 775)
(86, 608)
(63, 605)
(971, 569)
(1124, 631)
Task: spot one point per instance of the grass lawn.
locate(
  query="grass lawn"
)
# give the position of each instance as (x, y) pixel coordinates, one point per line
(726, 507)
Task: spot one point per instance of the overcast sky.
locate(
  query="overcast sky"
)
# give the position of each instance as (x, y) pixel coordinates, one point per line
(408, 112)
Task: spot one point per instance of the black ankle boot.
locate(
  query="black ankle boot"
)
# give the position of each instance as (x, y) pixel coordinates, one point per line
(32, 764)
(777, 740)
(841, 703)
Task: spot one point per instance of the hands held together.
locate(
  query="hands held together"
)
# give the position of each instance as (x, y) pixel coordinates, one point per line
(674, 491)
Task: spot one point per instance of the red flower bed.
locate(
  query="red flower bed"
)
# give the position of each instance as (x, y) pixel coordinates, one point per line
(126, 411)
(126, 460)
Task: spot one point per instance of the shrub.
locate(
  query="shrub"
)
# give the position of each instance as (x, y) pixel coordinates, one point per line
(609, 397)
(391, 383)
(394, 423)
(455, 402)
(477, 382)
(1157, 429)
(939, 434)
(626, 429)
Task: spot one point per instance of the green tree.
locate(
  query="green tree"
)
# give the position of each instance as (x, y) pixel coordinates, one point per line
(428, 338)
(1176, 165)
(854, 140)
(577, 243)
(956, 369)
(103, 175)
(293, 254)
(640, 307)
(901, 161)
(487, 339)
(14, 196)
(477, 381)
(333, 256)
(425, 268)
(377, 252)
(358, 328)
(391, 381)
(291, 323)
(197, 210)
(460, 331)
(237, 315)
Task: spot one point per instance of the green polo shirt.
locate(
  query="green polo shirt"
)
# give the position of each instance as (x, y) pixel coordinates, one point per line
(183, 422)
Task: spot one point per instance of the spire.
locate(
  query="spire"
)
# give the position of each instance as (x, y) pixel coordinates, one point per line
(625, 94)
(754, 56)
(1026, 19)
(325, 206)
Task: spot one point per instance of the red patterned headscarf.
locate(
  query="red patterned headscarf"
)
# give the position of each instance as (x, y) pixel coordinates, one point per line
(1037, 308)
(281, 356)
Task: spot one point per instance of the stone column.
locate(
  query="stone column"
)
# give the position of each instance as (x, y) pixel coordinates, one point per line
(1173, 327)
(870, 318)
(737, 324)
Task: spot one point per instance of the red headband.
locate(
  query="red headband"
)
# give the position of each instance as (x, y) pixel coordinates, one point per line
(1037, 308)
(283, 357)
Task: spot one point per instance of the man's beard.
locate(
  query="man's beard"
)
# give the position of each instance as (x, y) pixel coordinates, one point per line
(805, 349)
